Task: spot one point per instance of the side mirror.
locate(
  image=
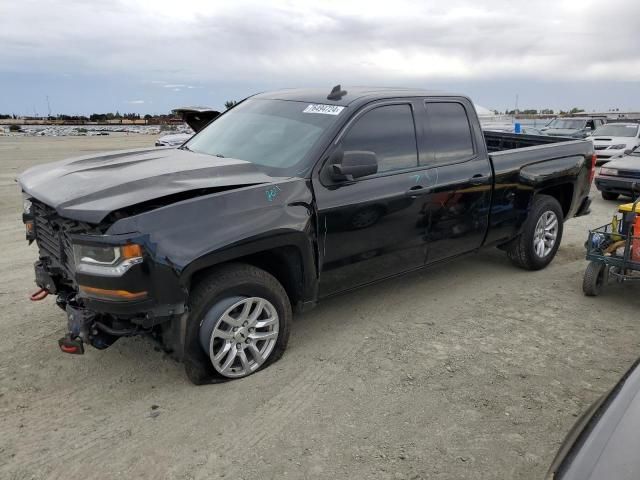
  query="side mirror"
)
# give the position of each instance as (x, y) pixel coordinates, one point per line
(354, 164)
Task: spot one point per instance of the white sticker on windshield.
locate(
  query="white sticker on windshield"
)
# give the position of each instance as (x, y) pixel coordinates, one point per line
(324, 109)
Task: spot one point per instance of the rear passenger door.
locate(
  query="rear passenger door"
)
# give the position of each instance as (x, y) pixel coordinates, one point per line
(456, 211)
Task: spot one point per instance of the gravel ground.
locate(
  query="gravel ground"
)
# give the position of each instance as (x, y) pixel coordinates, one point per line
(471, 370)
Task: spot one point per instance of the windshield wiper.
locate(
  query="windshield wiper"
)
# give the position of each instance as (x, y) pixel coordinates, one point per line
(184, 147)
(219, 155)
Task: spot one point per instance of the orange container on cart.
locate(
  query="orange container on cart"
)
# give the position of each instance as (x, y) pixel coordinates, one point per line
(627, 211)
(635, 241)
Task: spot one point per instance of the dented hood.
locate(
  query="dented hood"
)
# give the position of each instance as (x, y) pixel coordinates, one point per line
(89, 188)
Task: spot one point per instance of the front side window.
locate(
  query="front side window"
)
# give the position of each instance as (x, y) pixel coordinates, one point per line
(449, 138)
(389, 132)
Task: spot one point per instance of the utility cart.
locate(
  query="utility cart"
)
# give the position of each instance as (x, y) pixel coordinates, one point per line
(613, 250)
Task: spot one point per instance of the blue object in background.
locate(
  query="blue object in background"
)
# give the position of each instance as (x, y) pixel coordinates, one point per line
(517, 128)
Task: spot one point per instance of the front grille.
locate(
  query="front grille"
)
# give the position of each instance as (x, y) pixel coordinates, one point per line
(600, 147)
(52, 236)
(629, 173)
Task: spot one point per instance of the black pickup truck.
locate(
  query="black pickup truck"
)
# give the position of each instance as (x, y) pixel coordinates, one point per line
(283, 200)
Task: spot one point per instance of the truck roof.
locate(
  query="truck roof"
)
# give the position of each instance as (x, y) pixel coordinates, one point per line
(353, 94)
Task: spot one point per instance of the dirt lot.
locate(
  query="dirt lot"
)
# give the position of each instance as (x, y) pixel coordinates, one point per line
(471, 370)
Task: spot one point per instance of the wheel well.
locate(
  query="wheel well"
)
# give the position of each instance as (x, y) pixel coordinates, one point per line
(284, 263)
(562, 193)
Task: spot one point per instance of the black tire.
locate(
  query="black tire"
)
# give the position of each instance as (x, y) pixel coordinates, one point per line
(595, 278)
(521, 250)
(231, 280)
(610, 195)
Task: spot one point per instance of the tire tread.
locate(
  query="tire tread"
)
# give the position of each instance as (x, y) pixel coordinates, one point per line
(520, 250)
(197, 364)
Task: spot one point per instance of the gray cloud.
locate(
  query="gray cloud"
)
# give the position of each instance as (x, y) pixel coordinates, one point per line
(191, 43)
(429, 40)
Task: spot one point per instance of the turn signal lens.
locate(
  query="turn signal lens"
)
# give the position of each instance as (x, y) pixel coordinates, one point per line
(131, 250)
(107, 294)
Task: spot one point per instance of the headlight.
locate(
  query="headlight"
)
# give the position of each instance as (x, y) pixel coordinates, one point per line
(618, 147)
(608, 171)
(26, 204)
(106, 260)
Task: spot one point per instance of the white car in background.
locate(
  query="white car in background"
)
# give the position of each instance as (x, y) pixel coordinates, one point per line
(615, 140)
(173, 139)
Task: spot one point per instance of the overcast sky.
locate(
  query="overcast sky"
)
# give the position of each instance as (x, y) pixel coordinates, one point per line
(154, 55)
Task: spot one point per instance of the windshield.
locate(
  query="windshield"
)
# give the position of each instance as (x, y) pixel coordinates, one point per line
(563, 123)
(275, 134)
(619, 130)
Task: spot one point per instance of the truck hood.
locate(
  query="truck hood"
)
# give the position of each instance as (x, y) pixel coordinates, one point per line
(628, 162)
(89, 188)
(609, 140)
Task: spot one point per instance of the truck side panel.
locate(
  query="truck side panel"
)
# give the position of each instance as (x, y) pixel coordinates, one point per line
(521, 173)
(204, 231)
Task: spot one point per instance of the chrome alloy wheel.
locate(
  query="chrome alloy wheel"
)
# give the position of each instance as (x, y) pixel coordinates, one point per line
(546, 233)
(239, 334)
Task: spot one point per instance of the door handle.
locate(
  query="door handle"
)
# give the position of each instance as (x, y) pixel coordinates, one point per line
(478, 179)
(416, 191)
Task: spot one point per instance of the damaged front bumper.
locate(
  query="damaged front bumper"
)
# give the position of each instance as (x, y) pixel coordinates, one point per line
(101, 308)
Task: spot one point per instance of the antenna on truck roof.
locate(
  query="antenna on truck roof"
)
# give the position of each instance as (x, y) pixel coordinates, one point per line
(336, 93)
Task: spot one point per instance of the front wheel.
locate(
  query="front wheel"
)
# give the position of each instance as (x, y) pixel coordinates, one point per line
(595, 278)
(610, 196)
(239, 323)
(541, 235)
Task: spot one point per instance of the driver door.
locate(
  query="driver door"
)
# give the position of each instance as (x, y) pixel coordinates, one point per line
(370, 227)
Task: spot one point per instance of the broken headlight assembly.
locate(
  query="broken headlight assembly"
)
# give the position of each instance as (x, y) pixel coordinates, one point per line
(26, 204)
(106, 260)
(27, 217)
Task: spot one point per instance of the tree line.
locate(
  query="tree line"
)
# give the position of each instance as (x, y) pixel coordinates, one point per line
(544, 111)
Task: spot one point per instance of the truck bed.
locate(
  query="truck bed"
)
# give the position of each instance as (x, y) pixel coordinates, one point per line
(499, 141)
(511, 151)
(523, 164)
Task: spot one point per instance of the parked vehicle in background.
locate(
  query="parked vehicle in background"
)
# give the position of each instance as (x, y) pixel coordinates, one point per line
(574, 127)
(524, 129)
(173, 139)
(615, 140)
(286, 199)
(196, 117)
(604, 442)
(617, 177)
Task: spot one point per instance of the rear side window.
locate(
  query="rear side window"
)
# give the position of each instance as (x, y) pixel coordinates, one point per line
(389, 132)
(449, 138)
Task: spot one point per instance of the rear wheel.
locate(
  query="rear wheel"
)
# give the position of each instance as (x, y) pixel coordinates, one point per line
(239, 323)
(595, 278)
(610, 196)
(541, 235)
